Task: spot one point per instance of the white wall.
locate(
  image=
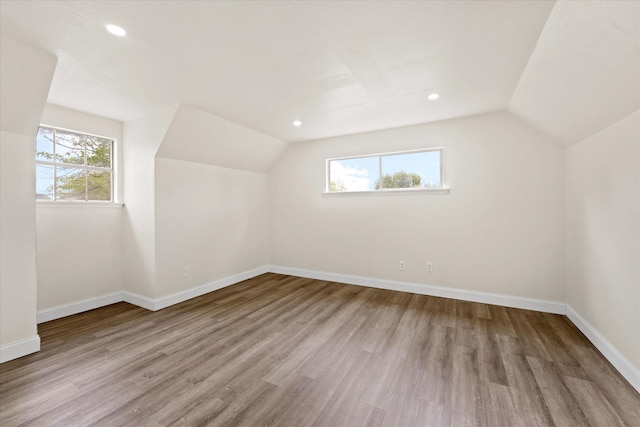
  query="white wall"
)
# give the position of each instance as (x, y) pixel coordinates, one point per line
(79, 247)
(500, 230)
(79, 253)
(25, 77)
(209, 218)
(603, 233)
(18, 238)
(143, 137)
(210, 200)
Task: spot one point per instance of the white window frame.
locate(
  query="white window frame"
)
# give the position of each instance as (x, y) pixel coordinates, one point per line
(54, 165)
(438, 190)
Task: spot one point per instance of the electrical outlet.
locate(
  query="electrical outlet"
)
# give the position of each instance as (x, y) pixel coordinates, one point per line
(187, 272)
(429, 267)
(403, 266)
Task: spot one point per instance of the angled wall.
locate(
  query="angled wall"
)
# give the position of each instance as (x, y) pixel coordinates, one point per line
(25, 77)
(211, 205)
(603, 241)
(143, 138)
(210, 220)
(195, 198)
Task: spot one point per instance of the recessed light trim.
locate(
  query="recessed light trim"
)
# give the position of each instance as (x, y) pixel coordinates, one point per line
(297, 123)
(116, 30)
(433, 96)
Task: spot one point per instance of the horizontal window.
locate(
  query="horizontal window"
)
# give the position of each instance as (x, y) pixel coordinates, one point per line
(390, 171)
(73, 166)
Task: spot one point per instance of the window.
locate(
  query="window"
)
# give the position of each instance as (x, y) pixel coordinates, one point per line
(391, 171)
(72, 166)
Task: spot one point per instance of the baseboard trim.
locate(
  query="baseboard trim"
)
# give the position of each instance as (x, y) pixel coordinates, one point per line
(139, 300)
(153, 304)
(20, 348)
(77, 307)
(436, 291)
(179, 297)
(621, 363)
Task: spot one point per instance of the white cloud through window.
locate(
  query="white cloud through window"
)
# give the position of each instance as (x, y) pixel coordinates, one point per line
(352, 178)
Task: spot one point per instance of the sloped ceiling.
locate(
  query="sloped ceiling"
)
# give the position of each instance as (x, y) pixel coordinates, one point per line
(341, 67)
(584, 73)
(200, 137)
(22, 99)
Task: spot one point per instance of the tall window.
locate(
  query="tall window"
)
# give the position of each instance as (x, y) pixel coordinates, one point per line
(73, 166)
(391, 171)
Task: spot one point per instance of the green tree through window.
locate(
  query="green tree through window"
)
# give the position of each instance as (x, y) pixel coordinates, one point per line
(399, 179)
(73, 166)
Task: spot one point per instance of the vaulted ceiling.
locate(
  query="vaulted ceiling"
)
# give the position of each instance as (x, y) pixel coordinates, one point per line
(570, 68)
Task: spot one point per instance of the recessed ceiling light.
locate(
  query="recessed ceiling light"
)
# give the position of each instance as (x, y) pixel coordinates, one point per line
(433, 96)
(116, 31)
(297, 123)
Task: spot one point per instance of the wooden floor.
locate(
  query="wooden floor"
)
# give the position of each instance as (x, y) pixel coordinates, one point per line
(284, 351)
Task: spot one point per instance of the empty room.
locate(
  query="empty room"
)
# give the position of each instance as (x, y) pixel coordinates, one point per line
(320, 213)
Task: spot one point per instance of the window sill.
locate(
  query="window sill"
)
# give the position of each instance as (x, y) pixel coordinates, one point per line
(69, 204)
(396, 192)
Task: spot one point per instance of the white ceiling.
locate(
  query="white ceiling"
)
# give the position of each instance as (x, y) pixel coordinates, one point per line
(340, 67)
(584, 73)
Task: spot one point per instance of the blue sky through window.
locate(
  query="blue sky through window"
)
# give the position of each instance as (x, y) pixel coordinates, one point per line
(361, 173)
(426, 164)
(358, 174)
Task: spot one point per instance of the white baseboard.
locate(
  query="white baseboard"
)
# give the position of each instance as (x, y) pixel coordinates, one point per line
(155, 304)
(621, 363)
(139, 300)
(78, 307)
(20, 348)
(179, 297)
(436, 291)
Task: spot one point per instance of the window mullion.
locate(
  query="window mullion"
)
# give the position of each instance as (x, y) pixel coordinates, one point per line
(96, 168)
(112, 192)
(55, 169)
(381, 180)
(441, 168)
(86, 171)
